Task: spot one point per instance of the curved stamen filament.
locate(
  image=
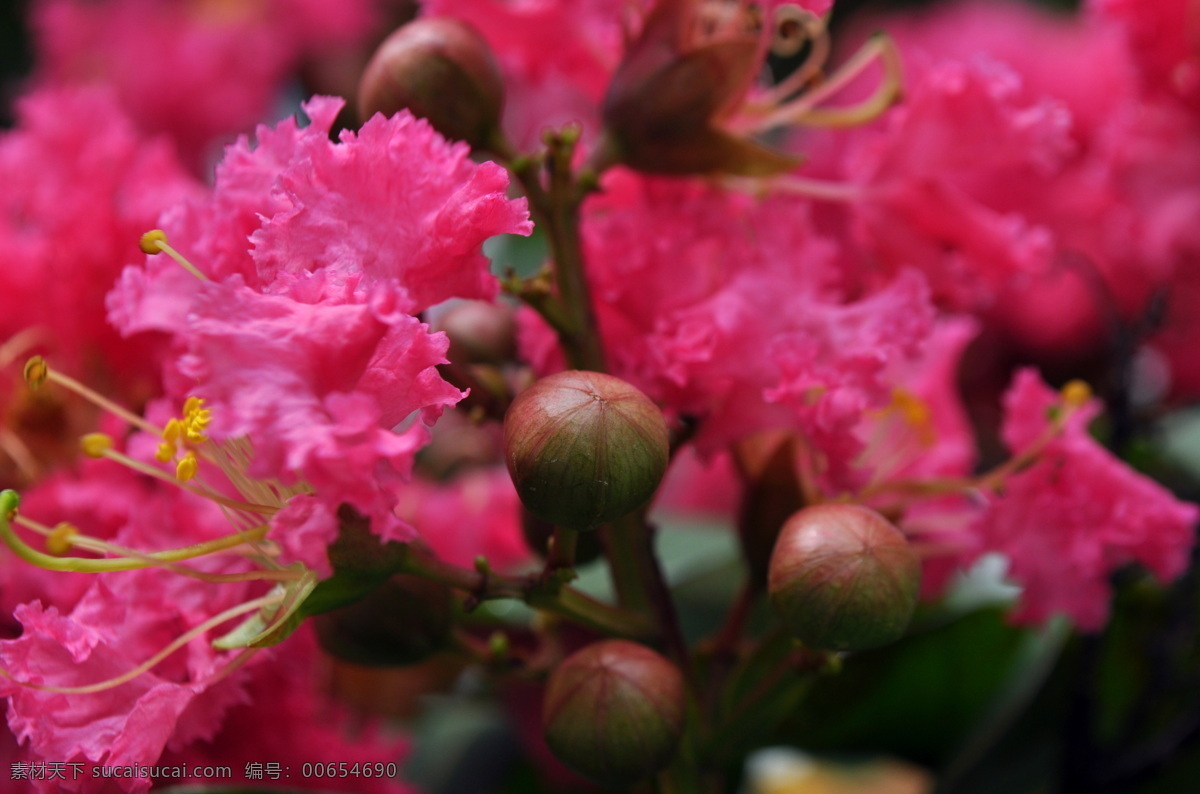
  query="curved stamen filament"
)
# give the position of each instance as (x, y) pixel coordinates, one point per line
(803, 110)
(129, 563)
(820, 189)
(179, 642)
(819, 47)
(206, 493)
(1075, 396)
(20, 454)
(278, 574)
(95, 398)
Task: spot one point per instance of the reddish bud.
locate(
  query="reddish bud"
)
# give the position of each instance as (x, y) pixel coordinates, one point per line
(442, 70)
(843, 578)
(584, 448)
(668, 101)
(614, 712)
(480, 332)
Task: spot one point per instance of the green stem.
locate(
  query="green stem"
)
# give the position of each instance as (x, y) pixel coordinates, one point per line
(642, 588)
(562, 549)
(555, 209)
(533, 590)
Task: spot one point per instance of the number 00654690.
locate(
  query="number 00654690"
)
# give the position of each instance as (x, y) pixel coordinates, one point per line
(337, 769)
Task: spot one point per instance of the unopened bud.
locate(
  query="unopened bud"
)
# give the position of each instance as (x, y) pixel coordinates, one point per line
(614, 712)
(442, 70)
(842, 577)
(671, 94)
(480, 332)
(400, 622)
(584, 448)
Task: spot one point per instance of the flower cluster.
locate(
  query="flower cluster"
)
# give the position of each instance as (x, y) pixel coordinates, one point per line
(815, 281)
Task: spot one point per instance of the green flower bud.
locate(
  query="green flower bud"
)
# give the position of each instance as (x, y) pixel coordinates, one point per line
(442, 70)
(584, 448)
(401, 622)
(843, 578)
(614, 712)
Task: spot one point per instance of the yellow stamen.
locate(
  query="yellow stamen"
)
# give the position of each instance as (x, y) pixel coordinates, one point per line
(150, 241)
(1076, 394)
(58, 542)
(173, 430)
(165, 453)
(96, 445)
(187, 467)
(155, 241)
(36, 371)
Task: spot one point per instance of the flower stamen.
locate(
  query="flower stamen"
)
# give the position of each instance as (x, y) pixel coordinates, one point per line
(38, 371)
(155, 242)
(804, 110)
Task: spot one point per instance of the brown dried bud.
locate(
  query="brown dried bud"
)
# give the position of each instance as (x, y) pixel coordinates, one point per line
(614, 712)
(442, 70)
(584, 448)
(843, 578)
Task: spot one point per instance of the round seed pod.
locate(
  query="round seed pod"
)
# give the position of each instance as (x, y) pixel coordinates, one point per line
(842, 577)
(442, 70)
(584, 448)
(614, 712)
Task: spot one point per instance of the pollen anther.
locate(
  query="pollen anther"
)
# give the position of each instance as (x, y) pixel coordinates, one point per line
(150, 240)
(58, 542)
(95, 445)
(1076, 393)
(187, 467)
(36, 371)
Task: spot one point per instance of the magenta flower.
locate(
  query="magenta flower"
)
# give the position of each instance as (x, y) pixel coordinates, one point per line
(1164, 36)
(217, 67)
(755, 332)
(475, 513)
(1069, 520)
(81, 185)
(304, 341)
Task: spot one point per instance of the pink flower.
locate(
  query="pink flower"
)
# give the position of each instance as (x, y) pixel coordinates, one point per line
(216, 68)
(81, 185)
(476, 513)
(1164, 36)
(557, 56)
(1028, 174)
(1077, 514)
(123, 620)
(394, 202)
(289, 692)
(729, 310)
(304, 342)
(560, 57)
(318, 387)
(100, 499)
